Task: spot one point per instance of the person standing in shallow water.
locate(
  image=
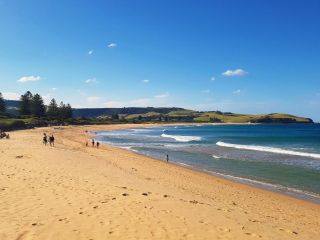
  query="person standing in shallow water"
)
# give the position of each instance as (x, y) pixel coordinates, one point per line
(167, 157)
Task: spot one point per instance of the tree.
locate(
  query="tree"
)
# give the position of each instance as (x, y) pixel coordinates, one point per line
(53, 109)
(65, 111)
(62, 108)
(37, 106)
(68, 111)
(25, 103)
(2, 104)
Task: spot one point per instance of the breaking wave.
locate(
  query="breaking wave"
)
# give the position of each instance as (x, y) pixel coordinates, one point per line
(268, 149)
(180, 138)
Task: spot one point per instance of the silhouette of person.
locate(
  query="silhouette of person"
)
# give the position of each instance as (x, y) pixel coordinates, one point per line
(51, 140)
(45, 139)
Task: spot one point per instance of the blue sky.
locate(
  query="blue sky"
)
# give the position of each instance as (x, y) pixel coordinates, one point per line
(245, 56)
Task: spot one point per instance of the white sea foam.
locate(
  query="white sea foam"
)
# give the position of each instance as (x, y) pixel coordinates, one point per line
(216, 157)
(180, 138)
(268, 149)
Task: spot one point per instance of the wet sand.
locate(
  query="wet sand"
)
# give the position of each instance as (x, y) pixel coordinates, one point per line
(77, 192)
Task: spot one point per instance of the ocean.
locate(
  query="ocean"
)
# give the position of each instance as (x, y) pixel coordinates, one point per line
(279, 157)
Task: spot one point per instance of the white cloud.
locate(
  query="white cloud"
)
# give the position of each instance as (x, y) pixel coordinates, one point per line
(165, 95)
(93, 99)
(212, 78)
(238, 91)
(206, 91)
(145, 81)
(113, 104)
(90, 52)
(29, 79)
(54, 89)
(235, 72)
(112, 45)
(11, 95)
(47, 98)
(91, 80)
(155, 101)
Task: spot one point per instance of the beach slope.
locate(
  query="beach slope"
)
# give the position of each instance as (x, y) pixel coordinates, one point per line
(75, 192)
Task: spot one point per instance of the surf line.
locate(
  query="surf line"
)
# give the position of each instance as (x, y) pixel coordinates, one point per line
(268, 149)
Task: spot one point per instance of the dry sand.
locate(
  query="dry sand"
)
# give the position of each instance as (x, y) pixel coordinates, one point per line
(74, 192)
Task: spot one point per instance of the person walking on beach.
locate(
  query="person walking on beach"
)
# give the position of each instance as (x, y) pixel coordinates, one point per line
(92, 142)
(51, 141)
(167, 157)
(98, 144)
(45, 139)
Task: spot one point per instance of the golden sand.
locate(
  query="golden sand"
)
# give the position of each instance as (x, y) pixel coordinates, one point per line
(77, 192)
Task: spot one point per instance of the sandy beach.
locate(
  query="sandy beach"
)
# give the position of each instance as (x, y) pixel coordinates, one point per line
(75, 192)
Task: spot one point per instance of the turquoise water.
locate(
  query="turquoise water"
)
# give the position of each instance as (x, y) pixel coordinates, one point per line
(282, 157)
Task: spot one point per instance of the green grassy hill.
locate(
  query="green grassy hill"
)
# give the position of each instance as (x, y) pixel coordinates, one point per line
(218, 117)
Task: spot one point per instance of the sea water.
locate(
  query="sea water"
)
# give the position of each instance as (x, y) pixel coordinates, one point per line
(281, 157)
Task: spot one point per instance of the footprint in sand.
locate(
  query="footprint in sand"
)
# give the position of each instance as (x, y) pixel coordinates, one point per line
(223, 229)
(224, 209)
(23, 236)
(288, 231)
(253, 234)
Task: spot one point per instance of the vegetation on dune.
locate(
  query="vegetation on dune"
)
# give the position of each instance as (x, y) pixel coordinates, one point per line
(2, 104)
(30, 111)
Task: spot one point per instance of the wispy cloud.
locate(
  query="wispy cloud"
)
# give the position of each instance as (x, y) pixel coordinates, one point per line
(206, 91)
(164, 95)
(93, 99)
(145, 81)
(91, 81)
(212, 78)
(238, 91)
(155, 101)
(47, 98)
(11, 95)
(235, 72)
(54, 89)
(90, 52)
(112, 45)
(25, 79)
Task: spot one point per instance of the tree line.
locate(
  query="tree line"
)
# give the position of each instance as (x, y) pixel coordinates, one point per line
(33, 105)
(2, 104)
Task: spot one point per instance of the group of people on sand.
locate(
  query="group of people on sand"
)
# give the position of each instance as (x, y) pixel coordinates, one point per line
(93, 143)
(47, 139)
(4, 135)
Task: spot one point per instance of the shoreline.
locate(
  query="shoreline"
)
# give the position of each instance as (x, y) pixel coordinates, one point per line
(77, 192)
(278, 189)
